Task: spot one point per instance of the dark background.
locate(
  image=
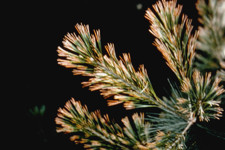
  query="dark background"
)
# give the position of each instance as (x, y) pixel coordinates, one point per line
(40, 28)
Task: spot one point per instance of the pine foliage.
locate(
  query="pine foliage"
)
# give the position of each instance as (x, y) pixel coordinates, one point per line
(197, 98)
(212, 35)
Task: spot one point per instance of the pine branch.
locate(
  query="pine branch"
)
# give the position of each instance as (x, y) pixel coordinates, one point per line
(90, 129)
(96, 131)
(177, 45)
(173, 39)
(197, 98)
(112, 76)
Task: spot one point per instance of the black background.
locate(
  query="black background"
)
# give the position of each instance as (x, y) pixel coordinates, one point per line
(39, 28)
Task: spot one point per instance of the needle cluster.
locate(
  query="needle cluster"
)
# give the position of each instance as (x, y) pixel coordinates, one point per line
(197, 98)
